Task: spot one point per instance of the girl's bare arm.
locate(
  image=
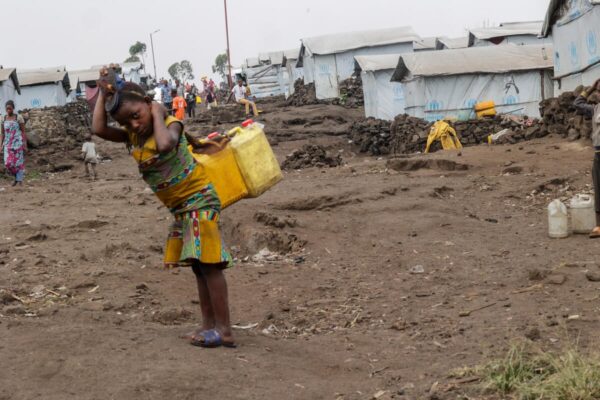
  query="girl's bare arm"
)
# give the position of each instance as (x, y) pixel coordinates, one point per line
(166, 137)
(100, 127)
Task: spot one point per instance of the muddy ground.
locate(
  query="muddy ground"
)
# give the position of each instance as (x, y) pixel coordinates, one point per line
(369, 268)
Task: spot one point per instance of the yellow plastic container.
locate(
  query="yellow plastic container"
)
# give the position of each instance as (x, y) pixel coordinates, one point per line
(485, 109)
(256, 159)
(222, 169)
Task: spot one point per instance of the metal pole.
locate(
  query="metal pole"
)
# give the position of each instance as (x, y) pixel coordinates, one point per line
(229, 80)
(153, 59)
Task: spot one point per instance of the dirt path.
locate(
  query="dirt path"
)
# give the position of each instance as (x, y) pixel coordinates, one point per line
(370, 266)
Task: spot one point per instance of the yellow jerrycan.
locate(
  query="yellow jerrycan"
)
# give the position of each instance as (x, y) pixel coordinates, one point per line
(217, 158)
(255, 158)
(485, 109)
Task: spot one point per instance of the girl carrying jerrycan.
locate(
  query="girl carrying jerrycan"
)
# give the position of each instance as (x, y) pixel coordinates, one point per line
(182, 185)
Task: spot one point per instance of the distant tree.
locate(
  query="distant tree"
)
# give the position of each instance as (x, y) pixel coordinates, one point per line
(183, 71)
(135, 50)
(221, 66)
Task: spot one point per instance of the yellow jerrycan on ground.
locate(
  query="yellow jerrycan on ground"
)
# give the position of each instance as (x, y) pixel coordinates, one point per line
(254, 157)
(485, 109)
(217, 158)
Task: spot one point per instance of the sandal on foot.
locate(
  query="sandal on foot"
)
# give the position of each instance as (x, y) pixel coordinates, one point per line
(212, 339)
(595, 234)
(192, 335)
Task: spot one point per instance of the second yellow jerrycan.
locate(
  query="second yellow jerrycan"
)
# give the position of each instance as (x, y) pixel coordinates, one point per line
(218, 160)
(255, 158)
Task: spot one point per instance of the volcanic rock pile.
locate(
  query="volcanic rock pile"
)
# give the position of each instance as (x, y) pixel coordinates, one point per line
(311, 155)
(304, 95)
(351, 93)
(61, 128)
(559, 116)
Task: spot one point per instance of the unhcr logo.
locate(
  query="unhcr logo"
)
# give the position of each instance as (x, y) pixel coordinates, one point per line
(591, 41)
(574, 54)
(36, 103)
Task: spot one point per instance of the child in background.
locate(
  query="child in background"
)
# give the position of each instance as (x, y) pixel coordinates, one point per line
(179, 106)
(161, 151)
(90, 158)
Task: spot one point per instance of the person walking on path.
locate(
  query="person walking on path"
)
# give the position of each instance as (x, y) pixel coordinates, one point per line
(14, 143)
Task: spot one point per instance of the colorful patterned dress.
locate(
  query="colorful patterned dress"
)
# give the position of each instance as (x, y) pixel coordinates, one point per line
(183, 186)
(14, 147)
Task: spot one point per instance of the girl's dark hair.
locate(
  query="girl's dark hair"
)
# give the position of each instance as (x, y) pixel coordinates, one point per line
(129, 92)
(10, 103)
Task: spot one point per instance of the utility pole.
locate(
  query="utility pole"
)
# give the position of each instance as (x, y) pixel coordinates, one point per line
(229, 80)
(153, 59)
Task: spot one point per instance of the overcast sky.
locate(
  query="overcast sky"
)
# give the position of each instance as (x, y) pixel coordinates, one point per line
(82, 33)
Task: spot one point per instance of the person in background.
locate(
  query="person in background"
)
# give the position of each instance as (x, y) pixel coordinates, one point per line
(190, 99)
(179, 106)
(593, 111)
(90, 158)
(239, 91)
(167, 98)
(13, 143)
(209, 93)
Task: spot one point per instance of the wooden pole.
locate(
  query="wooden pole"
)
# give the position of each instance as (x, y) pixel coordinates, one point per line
(229, 79)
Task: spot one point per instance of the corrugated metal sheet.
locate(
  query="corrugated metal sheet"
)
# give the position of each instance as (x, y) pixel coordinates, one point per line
(491, 59)
(340, 42)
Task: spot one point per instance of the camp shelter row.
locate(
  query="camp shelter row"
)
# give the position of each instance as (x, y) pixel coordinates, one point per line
(54, 86)
(328, 60)
(437, 84)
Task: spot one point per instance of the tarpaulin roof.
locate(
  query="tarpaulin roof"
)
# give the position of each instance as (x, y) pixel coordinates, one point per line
(427, 43)
(508, 29)
(252, 62)
(340, 42)
(487, 59)
(83, 76)
(556, 9)
(42, 75)
(377, 62)
(533, 28)
(273, 57)
(291, 55)
(443, 43)
(10, 73)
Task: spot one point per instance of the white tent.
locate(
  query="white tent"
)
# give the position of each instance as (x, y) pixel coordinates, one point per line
(520, 33)
(333, 55)
(383, 99)
(9, 86)
(448, 83)
(575, 29)
(292, 72)
(79, 79)
(43, 87)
